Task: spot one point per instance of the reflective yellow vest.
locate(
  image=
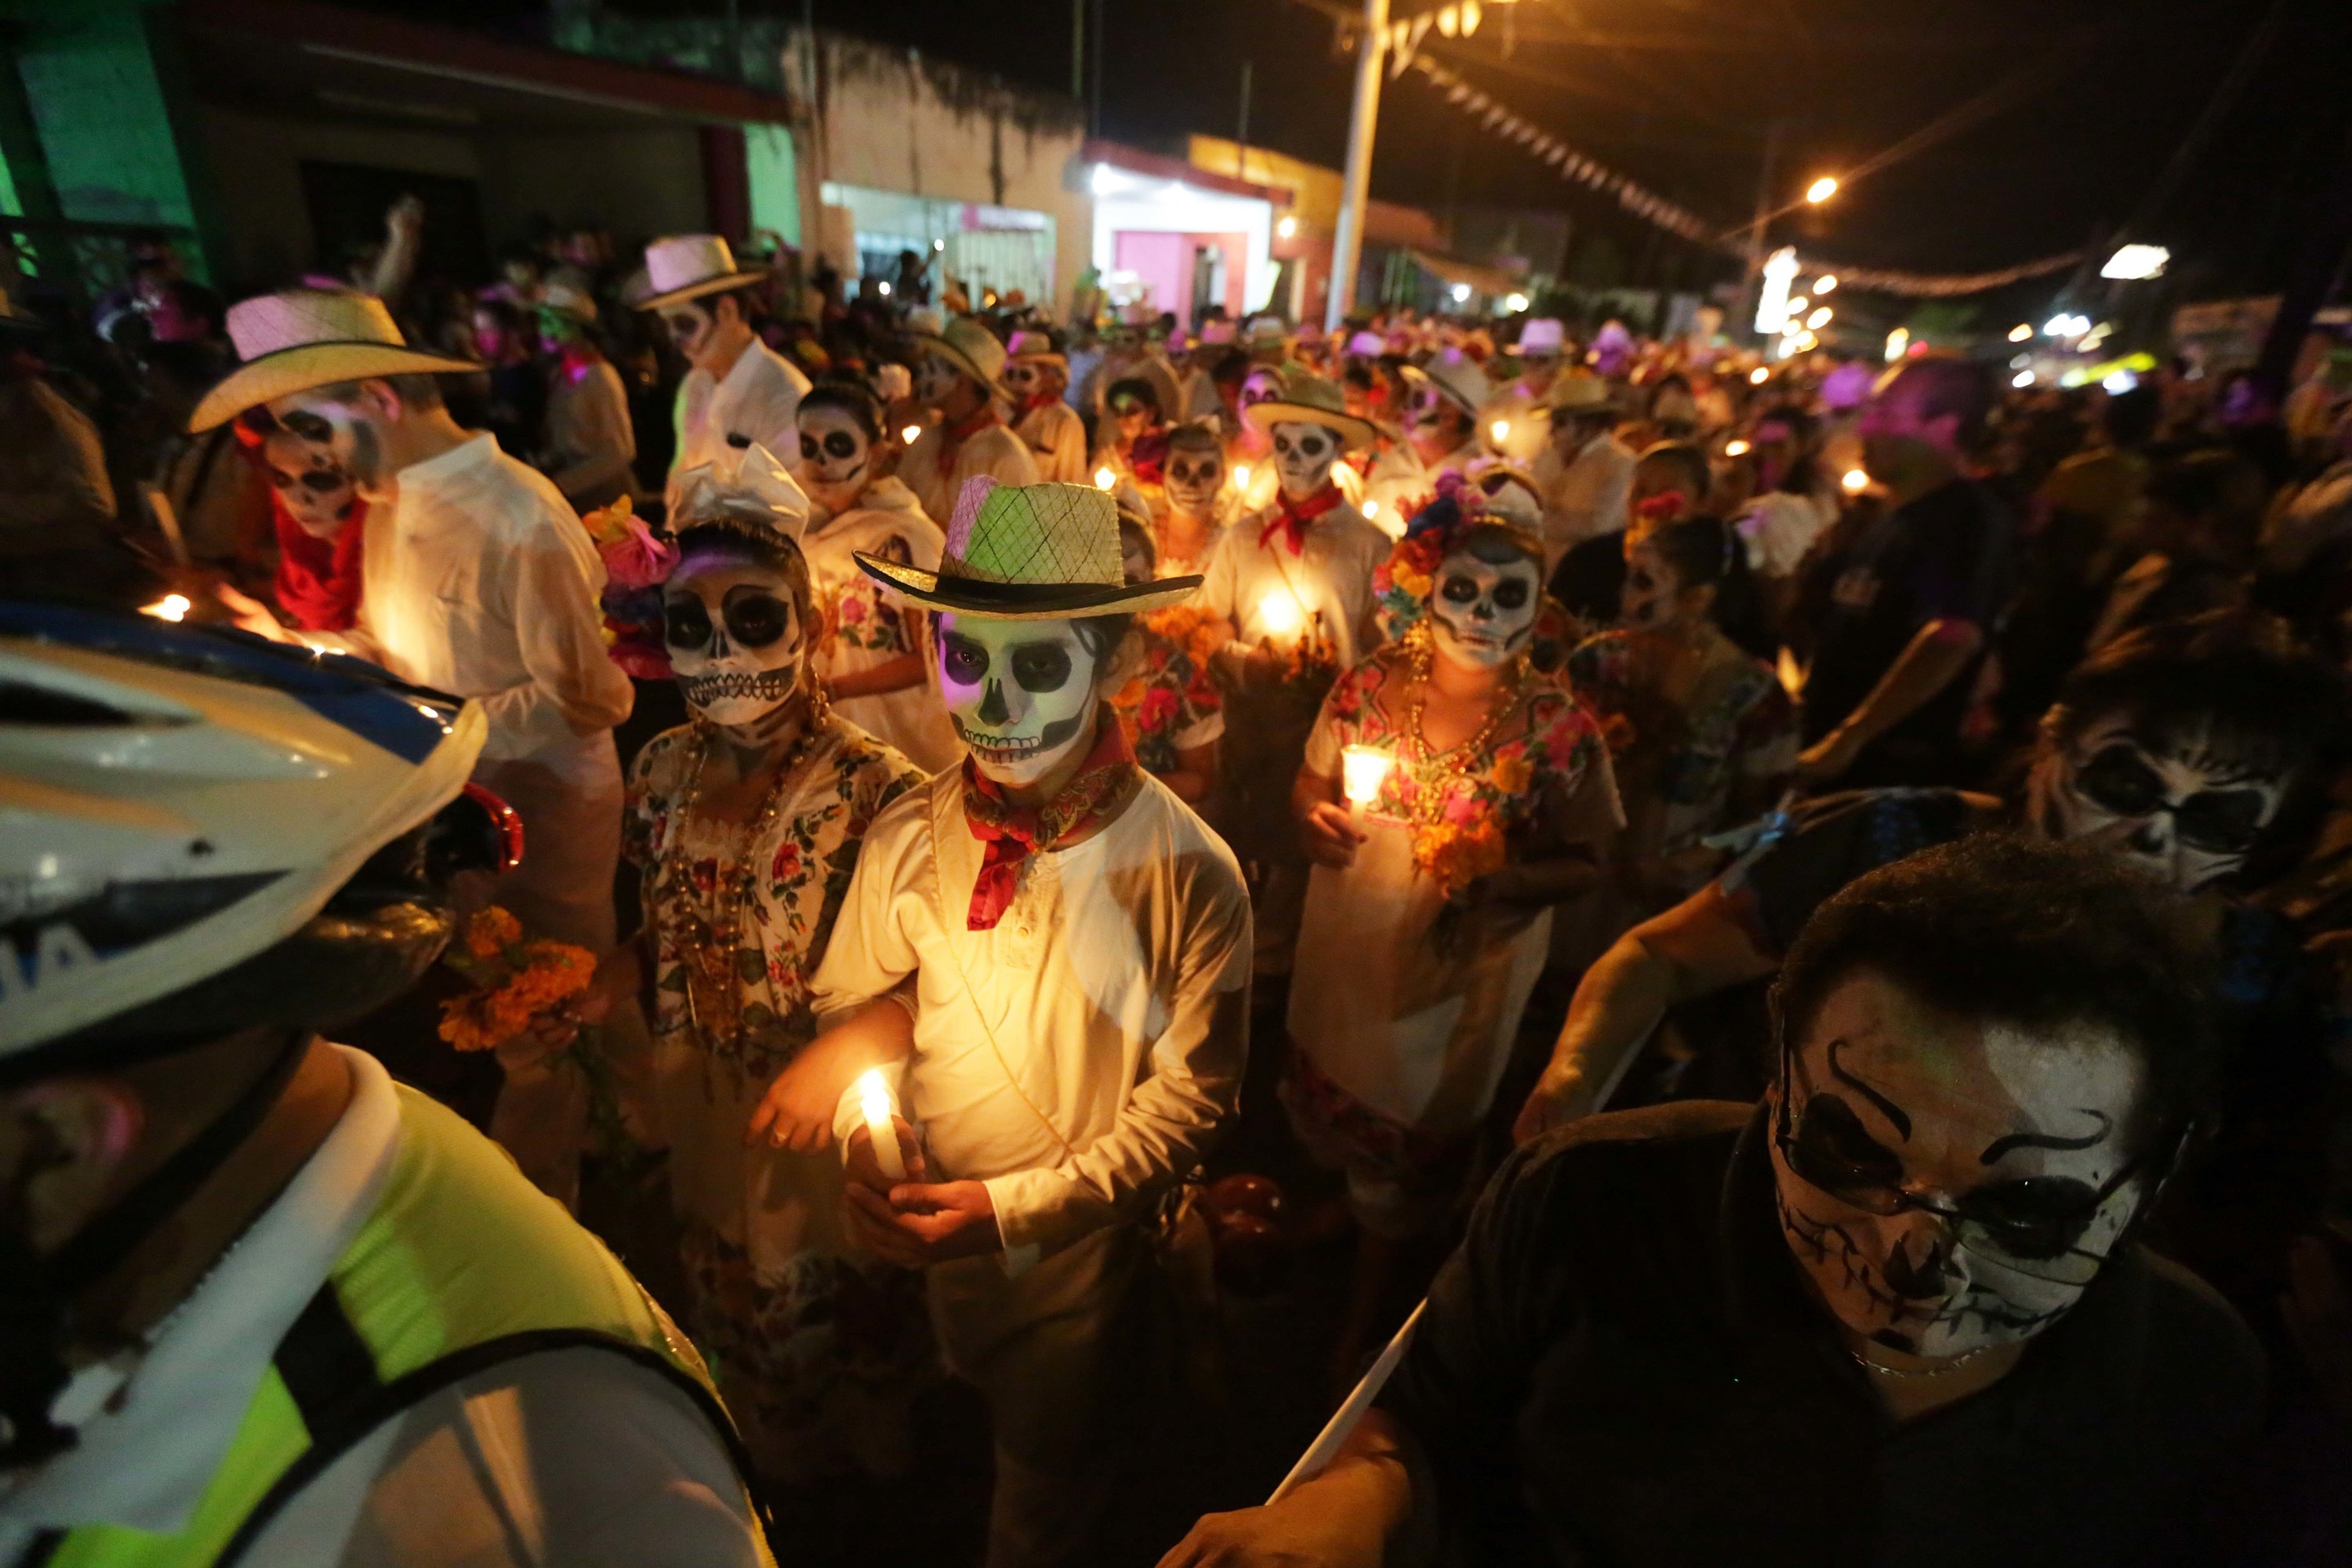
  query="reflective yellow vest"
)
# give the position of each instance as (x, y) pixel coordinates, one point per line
(463, 1265)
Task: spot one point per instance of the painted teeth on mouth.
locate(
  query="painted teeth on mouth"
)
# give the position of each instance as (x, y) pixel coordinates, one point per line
(705, 688)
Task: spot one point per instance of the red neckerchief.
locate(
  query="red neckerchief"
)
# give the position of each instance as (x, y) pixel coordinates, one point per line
(1291, 519)
(953, 436)
(1661, 506)
(1037, 400)
(1013, 833)
(1148, 458)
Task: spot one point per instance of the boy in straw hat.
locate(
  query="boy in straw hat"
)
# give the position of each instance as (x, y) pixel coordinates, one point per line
(1292, 580)
(474, 577)
(958, 377)
(740, 391)
(1075, 945)
(1036, 374)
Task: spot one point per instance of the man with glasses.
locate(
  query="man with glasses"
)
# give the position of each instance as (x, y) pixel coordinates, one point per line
(1701, 1332)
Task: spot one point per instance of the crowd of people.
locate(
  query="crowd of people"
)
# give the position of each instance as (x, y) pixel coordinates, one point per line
(1805, 903)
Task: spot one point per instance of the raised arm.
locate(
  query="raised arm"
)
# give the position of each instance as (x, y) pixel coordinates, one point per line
(1701, 945)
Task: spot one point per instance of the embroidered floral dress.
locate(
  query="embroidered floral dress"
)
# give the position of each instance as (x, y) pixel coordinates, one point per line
(1403, 1006)
(1717, 759)
(865, 626)
(819, 1348)
(1169, 706)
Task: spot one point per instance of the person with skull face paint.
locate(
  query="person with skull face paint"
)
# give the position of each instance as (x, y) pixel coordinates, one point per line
(745, 824)
(2198, 754)
(738, 392)
(1442, 407)
(1701, 733)
(959, 378)
(1075, 946)
(1038, 374)
(1170, 710)
(1429, 909)
(1185, 534)
(1897, 1313)
(1293, 580)
(320, 524)
(474, 577)
(871, 649)
(1251, 448)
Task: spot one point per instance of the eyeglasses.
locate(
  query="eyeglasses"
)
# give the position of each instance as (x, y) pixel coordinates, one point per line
(2033, 1225)
(2221, 821)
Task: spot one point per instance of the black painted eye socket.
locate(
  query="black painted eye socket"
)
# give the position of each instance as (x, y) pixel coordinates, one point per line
(2119, 780)
(1460, 590)
(1835, 1152)
(1311, 447)
(1041, 667)
(1641, 581)
(309, 426)
(1257, 394)
(1512, 594)
(2226, 821)
(756, 618)
(840, 444)
(685, 623)
(317, 481)
(2038, 1217)
(962, 660)
(810, 451)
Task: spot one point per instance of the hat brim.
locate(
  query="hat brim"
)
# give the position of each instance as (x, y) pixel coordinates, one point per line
(308, 365)
(1416, 376)
(718, 285)
(970, 366)
(1353, 432)
(1059, 362)
(1025, 601)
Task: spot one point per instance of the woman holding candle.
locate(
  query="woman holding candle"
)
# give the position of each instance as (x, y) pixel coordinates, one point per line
(1173, 718)
(1428, 914)
(747, 824)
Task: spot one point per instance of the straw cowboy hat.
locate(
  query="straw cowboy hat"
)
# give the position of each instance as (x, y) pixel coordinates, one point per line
(1036, 348)
(1457, 375)
(565, 299)
(971, 347)
(1309, 399)
(1030, 552)
(1541, 337)
(684, 267)
(299, 339)
(1582, 392)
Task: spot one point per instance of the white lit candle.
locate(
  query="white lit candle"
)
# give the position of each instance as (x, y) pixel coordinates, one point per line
(1501, 430)
(1362, 770)
(909, 433)
(1105, 479)
(1241, 476)
(874, 1098)
(170, 607)
(1279, 615)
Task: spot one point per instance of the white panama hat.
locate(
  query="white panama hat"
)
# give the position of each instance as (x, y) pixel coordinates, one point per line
(683, 267)
(299, 339)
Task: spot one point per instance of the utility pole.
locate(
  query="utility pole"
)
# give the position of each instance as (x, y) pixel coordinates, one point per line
(1348, 242)
(1241, 133)
(1078, 49)
(1095, 77)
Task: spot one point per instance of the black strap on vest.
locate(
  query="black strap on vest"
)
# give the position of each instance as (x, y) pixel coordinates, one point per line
(341, 1398)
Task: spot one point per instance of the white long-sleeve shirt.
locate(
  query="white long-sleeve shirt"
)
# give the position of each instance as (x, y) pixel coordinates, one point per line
(481, 581)
(994, 450)
(1265, 591)
(1584, 498)
(1076, 1057)
(1057, 438)
(758, 403)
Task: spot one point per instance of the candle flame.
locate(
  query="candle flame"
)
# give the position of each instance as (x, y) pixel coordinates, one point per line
(1280, 615)
(170, 607)
(909, 433)
(1105, 479)
(1362, 770)
(1241, 476)
(874, 1098)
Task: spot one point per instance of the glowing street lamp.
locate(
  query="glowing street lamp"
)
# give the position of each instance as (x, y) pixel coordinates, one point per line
(1818, 318)
(1824, 284)
(2136, 263)
(2020, 332)
(1821, 190)
(1287, 228)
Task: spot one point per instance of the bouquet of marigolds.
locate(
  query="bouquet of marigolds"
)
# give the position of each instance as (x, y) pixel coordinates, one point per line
(521, 986)
(1459, 853)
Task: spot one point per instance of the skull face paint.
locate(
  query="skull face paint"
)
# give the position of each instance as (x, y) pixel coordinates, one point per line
(935, 379)
(316, 491)
(1263, 384)
(2185, 813)
(836, 458)
(1303, 456)
(345, 431)
(1020, 693)
(736, 639)
(1947, 1184)
(1195, 475)
(689, 328)
(1482, 613)
(1651, 599)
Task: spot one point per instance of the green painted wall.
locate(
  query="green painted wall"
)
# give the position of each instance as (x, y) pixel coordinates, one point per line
(775, 187)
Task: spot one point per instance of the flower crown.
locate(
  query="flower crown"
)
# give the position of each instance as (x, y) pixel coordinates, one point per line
(1401, 584)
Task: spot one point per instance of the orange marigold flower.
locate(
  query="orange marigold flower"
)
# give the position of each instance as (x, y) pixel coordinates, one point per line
(491, 932)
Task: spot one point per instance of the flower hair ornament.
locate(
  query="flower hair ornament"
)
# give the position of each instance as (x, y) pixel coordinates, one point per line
(1402, 585)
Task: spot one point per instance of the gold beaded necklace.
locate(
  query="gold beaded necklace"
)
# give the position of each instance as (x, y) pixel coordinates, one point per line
(1435, 773)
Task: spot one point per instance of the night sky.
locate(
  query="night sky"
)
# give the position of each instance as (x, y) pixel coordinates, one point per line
(2046, 118)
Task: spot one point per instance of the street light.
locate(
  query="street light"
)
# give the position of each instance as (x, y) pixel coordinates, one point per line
(1823, 284)
(2136, 263)
(2020, 332)
(1821, 190)
(1818, 318)
(1462, 293)
(1287, 228)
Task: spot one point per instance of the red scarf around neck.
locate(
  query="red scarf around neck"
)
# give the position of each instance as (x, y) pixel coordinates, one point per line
(1013, 833)
(955, 433)
(1291, 519)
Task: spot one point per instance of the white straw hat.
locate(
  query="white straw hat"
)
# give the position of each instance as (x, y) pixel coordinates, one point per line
(299, 339)
(1310, 399)
(1458, 376)
(684, 267)
(973, 347)
(1030, 552)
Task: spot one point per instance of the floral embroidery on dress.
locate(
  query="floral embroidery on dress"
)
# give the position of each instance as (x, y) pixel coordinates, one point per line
(1170, 697)
(856, 614)
(799, 878)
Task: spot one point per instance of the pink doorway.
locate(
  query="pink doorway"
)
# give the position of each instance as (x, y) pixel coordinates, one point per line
(1163, 261)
